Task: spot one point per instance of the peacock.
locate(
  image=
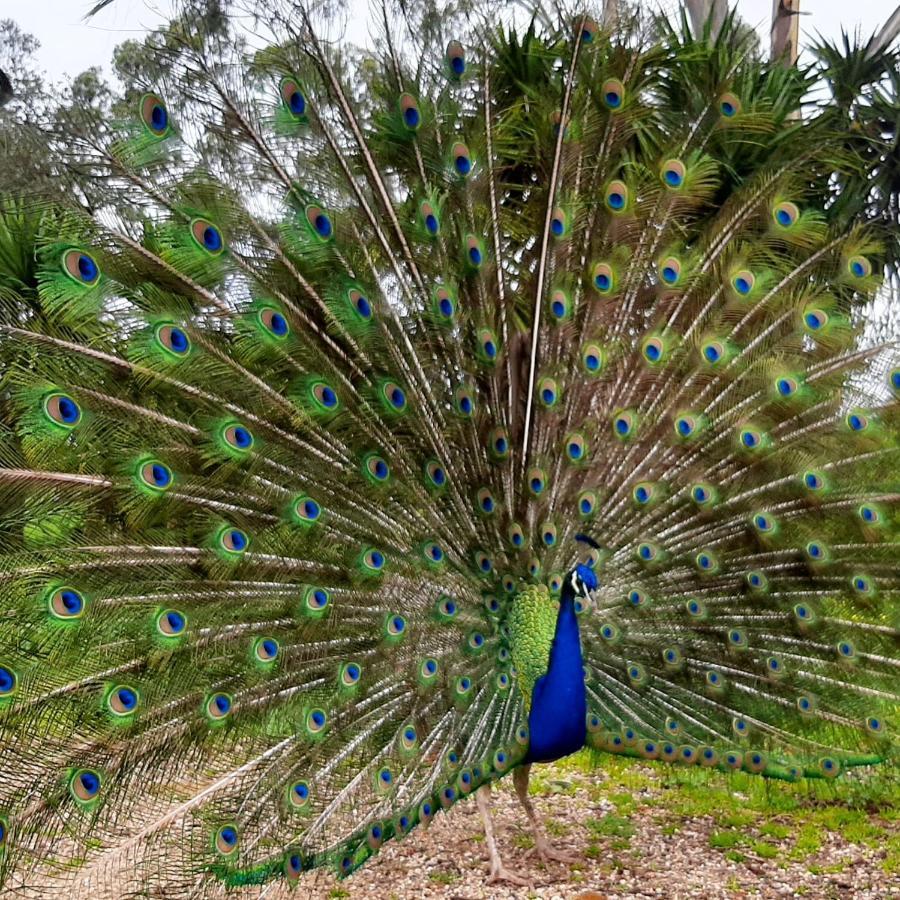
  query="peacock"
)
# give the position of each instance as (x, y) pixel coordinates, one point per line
(375, 425)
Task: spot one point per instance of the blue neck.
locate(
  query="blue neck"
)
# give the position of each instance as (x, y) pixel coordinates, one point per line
(559, 701)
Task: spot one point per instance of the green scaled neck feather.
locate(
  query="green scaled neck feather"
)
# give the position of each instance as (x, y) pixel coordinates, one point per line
(317, 364)
(532, 623)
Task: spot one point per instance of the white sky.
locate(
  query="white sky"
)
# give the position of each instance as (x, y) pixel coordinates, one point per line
(69, 44)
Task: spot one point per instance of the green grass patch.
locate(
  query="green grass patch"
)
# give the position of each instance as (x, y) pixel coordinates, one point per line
(765, 849)
(776, 830)
(611, 826)
(725, 840)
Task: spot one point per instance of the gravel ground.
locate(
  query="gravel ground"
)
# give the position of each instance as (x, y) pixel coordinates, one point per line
(639, 831)
(639, 855)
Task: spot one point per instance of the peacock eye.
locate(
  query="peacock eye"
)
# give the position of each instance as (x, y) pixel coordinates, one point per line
(456, 59)
(613, 93)
(603, 278)
(616, 196)
(729, 105)
(670, 270)
(173, 339)
(394, 396)
(785, 214)
(218, 706)
(462, 159)
(324, 397)
(743, 282)
(265, 650)
(293, 98)
(673, 173)
(226, 840)
(85, 785)
(122, 701)
(559, 222)
(273, 322)
(155, 475)
(409, 111)
(171, 623)
(436, 474)
(360, 304)
(238, 437)
(62, 410)
(154, 115)
(81, 267)
(66, 604)
(207, 236)
(233, 541)
(320, 222)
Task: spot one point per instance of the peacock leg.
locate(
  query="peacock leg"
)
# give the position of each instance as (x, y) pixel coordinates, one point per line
(498, 872)
(544, 849)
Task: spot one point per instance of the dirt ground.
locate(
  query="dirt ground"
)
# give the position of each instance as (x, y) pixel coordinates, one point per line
(639, 833)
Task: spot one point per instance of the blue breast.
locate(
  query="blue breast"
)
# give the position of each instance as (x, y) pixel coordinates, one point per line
(558, 700)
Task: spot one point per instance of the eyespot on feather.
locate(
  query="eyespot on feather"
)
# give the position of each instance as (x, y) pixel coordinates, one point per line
(603, 278)
(62, 410)
(612, 92)
(173, 340)
(122, 701)
(672, 172)
(81, 267)
(785, 215)
(66, 603)
(85, 785)
(207, 236)
(171, 623)
(154, 115)
(155, 475)
(274, 322)
(265, 650)
(461, 159)
(455, 57)
(616, 196)
(319, 222)
(9, 682)
(237, 437)
(729, 105)
(670, 271)
(592, 359)
(233, 541)
(293, 98)
(410, 113)
(226, 840)
(218, 706)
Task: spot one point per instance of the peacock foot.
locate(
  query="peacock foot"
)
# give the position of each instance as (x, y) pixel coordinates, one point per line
(546, 852)
(501, 875)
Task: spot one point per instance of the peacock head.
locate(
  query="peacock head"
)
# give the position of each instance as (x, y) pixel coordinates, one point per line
(583, 580)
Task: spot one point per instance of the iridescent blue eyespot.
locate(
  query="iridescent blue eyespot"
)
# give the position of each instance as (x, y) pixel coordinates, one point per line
(319, 221)
(462, 160)
(154, 115)
(409, 109)
(122, 701)
(729, 105)
(456, 59)
(273, 321)
(207, 236)
(8, 681)
(613, 93)
(171, 623)
(293, 98)
(62, 409)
